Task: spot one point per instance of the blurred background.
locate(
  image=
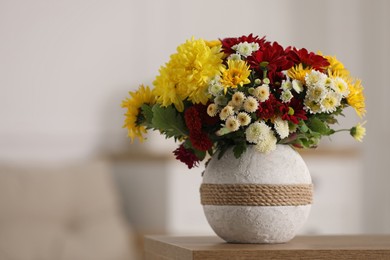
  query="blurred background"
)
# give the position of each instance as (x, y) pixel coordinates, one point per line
(71, 184)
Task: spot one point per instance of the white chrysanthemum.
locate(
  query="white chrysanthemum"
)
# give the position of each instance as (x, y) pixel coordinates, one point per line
(232, 124)
(256, 131)
(281, 127)
(243, 118)
(267, 144)
(297, 86)
(220, 100)
(212, 110)
(330, 102)
(226, 112)
(286, 96)
(312, 106)
(215, 86)
(286, 85)
(243, 48)
(262, 93)
(253, 133)
(234, 56)
(316, 93)
(255, 46)
(315, 77)
(250, 104)
(238, 98)
(340, 86)
(235, 107)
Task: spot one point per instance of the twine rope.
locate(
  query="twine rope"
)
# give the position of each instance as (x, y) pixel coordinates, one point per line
(256, 194)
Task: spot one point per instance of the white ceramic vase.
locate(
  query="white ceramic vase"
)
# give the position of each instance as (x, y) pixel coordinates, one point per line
(276, 220)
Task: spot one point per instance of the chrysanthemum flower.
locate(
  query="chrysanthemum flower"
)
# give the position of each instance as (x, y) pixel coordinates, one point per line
(214, 86)
(262, 92)
(257, 131)
(187, 73)
(243, 48)
(336, 68)
(243, 118)
(267, 143)
(316, 78)
(226, 112)
(298, 72)
(166, 89)
(358, 132)
(316, 93)
(286, 96)
(133, 105)
(340, 86)
(250, 104)
(214, 43)
(186, 156)
(193, 119)
(234, 56)
(236, 74)
(356, 98)
(330, 102)
(232, 124)
(281, 127)
(297, 86)
(286, 85)
(312, 106)
(201, 141)
(238, 98)
(212, 110)
(253, 132)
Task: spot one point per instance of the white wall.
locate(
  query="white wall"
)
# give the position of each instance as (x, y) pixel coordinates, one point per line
(65, 66)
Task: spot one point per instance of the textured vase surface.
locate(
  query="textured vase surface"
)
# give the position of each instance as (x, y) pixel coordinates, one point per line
(257, 224)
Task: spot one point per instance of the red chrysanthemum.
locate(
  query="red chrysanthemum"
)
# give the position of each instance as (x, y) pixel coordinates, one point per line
(193, 120)
(269, 108)
(308, 59)
(194, 117)
(204, 117)
(293, 111)
(200, 141)
(186, 156)
(228, 43)
(274, 57)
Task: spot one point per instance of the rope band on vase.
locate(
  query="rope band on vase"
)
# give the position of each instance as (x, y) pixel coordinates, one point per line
(256, 194)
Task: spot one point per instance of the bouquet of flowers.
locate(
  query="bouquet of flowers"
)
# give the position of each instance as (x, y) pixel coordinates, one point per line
(235, 92)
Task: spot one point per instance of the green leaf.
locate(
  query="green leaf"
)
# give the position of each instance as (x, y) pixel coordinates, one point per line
(239, 149)
(303, 127)
(168, 121)
(148, 114)
(316, 125)
(222, 150)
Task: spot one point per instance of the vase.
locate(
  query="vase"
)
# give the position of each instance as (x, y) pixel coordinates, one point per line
(257, 198)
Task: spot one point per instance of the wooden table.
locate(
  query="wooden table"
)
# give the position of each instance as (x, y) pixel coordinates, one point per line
(302, 247)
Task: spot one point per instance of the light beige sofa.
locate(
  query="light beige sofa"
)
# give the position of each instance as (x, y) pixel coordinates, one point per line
(61, 213)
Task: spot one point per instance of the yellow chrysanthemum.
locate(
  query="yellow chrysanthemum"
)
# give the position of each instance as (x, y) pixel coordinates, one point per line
(187, 73)
(167, 91)
(356, 98)
(336, 68)
(133, 105)
(298, 72)
(215, 43)
(236, 74)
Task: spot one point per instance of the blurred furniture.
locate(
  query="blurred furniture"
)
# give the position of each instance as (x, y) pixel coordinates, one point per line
(61, 213)
(305, 247)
